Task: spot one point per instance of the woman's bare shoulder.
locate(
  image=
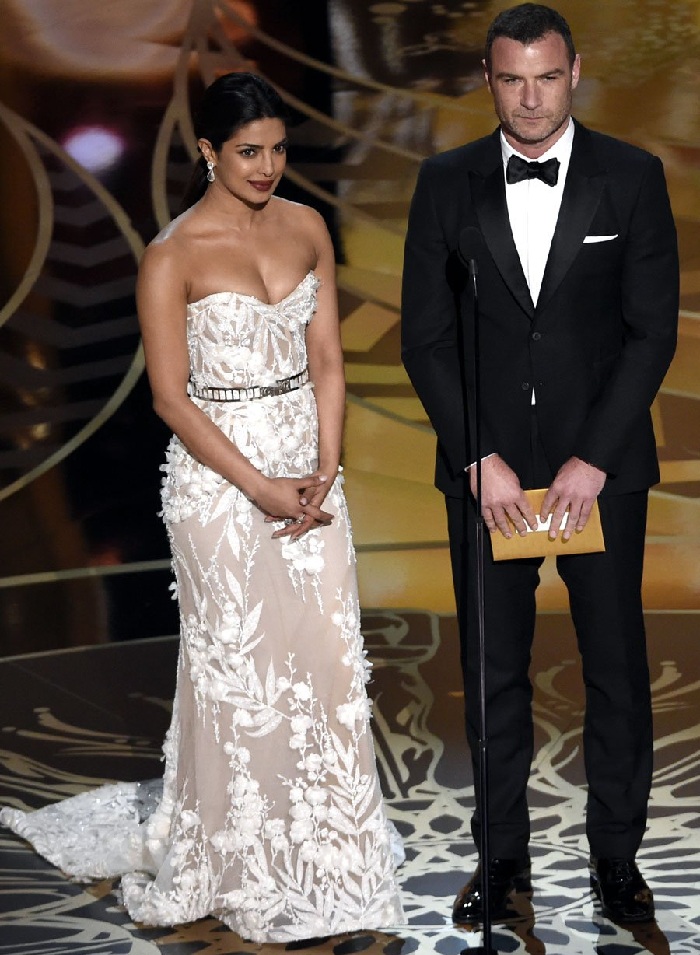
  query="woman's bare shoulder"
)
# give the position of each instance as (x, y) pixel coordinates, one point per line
(297, 214)
(305, 223)
(176, 231)
(168, 249)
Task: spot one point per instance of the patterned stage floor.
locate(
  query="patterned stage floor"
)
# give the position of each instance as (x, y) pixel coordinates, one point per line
(73, 719)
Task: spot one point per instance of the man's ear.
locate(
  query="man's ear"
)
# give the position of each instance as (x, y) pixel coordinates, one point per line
(486, 74)
(575, 72)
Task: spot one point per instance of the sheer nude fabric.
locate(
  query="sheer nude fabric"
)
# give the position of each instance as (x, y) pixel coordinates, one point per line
(271, 815)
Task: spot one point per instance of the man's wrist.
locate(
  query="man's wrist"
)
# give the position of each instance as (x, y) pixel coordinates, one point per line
(473, 464)
(590, 464)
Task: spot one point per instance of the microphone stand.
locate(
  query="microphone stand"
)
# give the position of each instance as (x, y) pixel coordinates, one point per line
(482, 782)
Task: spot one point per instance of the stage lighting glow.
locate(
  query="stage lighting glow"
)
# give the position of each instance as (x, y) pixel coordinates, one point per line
(94, 147)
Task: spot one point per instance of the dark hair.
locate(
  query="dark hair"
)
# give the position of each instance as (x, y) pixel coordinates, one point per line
(231, 102)
(526, 23)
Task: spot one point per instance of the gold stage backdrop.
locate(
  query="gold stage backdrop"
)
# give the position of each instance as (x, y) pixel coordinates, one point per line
(97, 143)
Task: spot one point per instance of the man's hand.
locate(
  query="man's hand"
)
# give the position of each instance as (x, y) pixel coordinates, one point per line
(576, 487)
(502, 498)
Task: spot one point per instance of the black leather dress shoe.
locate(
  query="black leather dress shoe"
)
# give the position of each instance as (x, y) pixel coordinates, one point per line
(505, 876)
(623, 893)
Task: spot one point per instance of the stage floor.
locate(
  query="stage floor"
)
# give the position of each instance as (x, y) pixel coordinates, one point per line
(73, 719)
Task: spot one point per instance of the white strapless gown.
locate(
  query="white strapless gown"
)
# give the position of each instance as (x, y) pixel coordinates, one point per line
(270, 815)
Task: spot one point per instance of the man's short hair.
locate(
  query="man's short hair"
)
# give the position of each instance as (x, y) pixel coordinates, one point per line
(527, 23)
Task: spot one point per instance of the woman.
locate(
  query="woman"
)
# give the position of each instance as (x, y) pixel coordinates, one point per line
(271, 815)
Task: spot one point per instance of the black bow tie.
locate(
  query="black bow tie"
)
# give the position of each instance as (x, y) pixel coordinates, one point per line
(519, 169)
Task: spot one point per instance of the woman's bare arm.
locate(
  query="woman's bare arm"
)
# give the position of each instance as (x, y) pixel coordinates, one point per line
(325, 354)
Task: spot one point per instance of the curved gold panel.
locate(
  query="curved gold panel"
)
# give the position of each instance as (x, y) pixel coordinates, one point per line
(30, 135)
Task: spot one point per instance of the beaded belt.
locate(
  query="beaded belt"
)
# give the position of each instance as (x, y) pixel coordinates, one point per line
(248, 394)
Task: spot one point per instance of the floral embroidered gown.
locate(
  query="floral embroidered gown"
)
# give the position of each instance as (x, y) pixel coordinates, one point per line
(271, 816)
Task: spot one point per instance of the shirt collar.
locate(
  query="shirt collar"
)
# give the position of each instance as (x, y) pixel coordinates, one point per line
(561, 150)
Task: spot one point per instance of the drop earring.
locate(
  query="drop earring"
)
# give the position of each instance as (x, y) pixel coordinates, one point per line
(210, 171)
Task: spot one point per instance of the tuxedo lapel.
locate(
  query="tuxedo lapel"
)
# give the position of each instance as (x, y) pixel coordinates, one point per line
(489, 196)
(584, 186)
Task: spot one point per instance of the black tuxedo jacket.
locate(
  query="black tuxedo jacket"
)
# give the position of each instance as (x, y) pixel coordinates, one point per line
(596, 346)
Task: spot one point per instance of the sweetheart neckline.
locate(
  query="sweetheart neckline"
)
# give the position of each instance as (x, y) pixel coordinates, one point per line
(253, 298)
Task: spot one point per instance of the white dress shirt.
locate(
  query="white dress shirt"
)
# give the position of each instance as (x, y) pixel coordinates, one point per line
(533, 209)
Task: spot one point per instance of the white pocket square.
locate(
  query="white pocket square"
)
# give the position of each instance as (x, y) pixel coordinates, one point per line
(600, 238)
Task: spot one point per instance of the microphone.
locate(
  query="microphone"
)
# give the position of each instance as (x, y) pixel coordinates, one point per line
(470, 244)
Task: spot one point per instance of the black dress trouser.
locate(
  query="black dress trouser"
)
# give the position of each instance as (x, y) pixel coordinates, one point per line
(605, 601)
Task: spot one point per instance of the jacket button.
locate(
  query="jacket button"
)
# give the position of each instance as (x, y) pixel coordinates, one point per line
(525, 386)
(536, 336)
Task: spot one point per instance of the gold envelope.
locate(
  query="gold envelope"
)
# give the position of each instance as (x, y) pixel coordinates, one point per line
(537, 543)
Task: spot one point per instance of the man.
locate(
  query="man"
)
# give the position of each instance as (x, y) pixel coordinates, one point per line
(578, 306)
